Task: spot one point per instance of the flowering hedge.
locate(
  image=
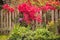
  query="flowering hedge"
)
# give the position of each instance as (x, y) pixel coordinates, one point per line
(31, 12)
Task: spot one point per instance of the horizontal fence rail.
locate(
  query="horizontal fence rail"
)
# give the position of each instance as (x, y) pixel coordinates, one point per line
(7, 19)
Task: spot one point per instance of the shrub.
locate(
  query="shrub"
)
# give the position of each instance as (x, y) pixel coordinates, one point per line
(22, 33)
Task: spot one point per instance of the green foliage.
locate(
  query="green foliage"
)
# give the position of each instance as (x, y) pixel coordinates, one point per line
(52, 27)
(23, 33)
(19, 32)
(58, 7)
(4, 37)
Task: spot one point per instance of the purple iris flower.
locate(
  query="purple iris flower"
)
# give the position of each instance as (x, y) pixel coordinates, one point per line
(20, 19)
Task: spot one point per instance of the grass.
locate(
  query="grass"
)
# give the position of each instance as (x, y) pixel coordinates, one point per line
(3, 37)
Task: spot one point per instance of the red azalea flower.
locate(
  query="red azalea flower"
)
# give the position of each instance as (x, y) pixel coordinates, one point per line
(47, 7)
(39, 18)
(5, 6)
(11, 9)
(26, 18)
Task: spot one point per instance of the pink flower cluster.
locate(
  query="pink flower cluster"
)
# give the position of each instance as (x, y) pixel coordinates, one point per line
(7, 7)
(48, 7)
(29, 12)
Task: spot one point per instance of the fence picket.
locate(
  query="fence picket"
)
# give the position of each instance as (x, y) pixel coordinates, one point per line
(41, 16)
(12, 20)
(52, 15)
(56, 19)
(59, 13)
(56, 15)
(1, 18)
(9, 20)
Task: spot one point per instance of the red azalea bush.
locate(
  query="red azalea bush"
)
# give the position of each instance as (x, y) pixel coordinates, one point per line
(48, 7)
(7, 7)
(29, 12)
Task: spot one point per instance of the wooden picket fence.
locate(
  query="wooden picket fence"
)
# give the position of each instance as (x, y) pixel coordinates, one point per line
(7, 19)
(50, 15)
